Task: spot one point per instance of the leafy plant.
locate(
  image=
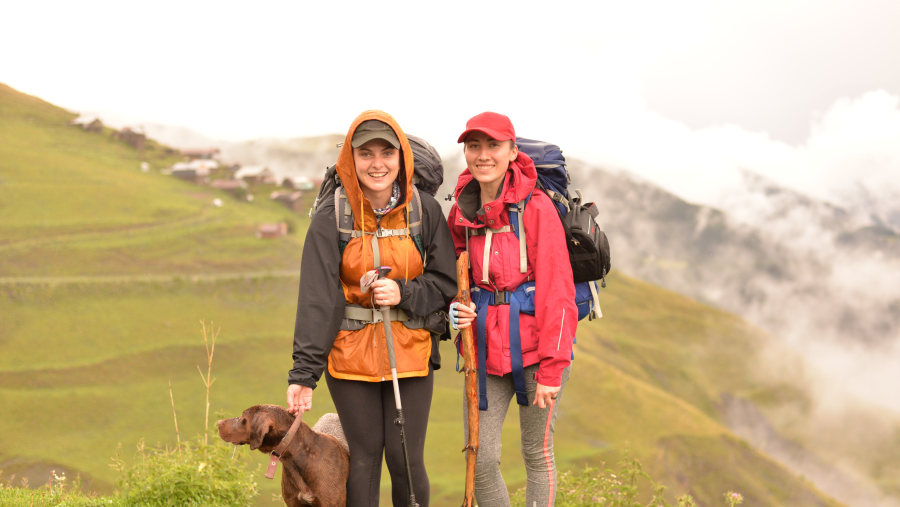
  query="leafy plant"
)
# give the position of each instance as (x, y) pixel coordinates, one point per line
(195, 473)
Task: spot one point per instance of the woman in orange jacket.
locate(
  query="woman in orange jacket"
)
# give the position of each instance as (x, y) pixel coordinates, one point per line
(337, 326)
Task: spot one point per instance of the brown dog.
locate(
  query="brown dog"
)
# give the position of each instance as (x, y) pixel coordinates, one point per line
(316, 464)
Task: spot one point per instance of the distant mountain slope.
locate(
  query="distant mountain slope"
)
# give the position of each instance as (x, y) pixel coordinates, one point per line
(74, 202)
(795, 266)
(306, 156)
(820, 278)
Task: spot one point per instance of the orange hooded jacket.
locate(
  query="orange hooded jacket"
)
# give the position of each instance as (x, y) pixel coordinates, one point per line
(362, 354)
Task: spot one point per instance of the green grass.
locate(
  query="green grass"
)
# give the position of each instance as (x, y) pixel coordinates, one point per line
(85, 367)
(115, 348)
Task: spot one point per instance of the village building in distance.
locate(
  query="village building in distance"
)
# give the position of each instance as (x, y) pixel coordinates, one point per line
(89, 123)
(202, 167)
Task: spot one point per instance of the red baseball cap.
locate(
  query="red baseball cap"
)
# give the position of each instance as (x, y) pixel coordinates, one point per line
(495, 125)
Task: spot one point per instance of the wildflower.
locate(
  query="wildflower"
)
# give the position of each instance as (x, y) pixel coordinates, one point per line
(734, 498)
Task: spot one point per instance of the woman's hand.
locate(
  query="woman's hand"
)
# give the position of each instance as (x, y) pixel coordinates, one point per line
(545, 396)
(461, 316)
(385, 292)
(299, 399)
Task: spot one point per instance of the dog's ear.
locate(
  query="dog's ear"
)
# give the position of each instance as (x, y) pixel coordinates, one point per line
(260, 426)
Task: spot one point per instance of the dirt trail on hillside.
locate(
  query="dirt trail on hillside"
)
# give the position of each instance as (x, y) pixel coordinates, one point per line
(82, 235)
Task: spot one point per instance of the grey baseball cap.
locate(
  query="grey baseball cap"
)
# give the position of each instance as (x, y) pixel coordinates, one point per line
(374, 129)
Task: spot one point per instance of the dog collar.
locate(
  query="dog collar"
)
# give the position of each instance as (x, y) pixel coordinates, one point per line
(276, 454)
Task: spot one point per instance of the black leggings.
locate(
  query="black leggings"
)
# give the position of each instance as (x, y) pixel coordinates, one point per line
(367, 411)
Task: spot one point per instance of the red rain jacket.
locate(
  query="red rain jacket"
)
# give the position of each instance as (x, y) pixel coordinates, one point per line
(548, 335)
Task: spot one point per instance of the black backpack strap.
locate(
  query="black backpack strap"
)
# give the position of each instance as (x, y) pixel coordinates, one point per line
(343, 218)
(414, 217)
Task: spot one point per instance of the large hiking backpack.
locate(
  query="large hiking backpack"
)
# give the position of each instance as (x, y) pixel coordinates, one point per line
(588, 245)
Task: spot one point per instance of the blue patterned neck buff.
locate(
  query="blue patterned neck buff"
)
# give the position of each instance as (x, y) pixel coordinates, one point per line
(395, 196)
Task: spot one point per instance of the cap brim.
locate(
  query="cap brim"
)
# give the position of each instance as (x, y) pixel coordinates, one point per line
(365, 137)
(493, 134)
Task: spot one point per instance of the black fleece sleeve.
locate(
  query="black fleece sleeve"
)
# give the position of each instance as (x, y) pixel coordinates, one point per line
(320, 304)
(436, 286)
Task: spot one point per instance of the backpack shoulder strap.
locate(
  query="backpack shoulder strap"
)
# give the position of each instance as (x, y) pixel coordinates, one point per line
(515, 218)
(517, 226)
(414, 218)
(343, 217)
(414, 222)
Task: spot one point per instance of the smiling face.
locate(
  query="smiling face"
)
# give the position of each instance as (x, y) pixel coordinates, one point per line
(377, 166)
(488, 159)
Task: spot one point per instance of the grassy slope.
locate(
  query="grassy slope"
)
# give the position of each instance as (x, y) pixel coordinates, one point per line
(84, 367)
(73, 202)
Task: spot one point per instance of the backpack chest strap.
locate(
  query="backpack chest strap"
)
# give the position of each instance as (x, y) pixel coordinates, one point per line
(343, 214)
(379, 233)
(518, 228)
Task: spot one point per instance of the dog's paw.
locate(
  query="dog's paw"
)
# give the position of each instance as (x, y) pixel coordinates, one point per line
(306, 497)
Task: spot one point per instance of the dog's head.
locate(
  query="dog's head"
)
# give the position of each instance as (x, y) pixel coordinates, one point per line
(260, 426)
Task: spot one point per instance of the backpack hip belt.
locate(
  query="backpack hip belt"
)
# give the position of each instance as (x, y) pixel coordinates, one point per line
(520, 300)
(357, 317)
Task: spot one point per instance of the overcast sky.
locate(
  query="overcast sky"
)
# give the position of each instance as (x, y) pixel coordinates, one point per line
(683, 93)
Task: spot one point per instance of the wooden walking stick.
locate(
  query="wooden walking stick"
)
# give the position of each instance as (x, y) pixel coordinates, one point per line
(468, 347)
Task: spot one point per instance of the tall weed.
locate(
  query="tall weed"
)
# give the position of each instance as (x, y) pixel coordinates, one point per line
(193, 473)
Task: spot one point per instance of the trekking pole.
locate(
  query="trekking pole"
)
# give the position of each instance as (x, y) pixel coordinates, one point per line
(471, 381)
(389, 338)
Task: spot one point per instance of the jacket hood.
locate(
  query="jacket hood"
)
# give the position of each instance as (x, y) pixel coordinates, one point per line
(518, 184)
(346, 169)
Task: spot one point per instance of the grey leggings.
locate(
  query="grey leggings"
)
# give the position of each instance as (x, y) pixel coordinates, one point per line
(536, 426)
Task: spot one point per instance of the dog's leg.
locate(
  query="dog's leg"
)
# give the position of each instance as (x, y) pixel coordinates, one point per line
(294, 490)
(306, 497)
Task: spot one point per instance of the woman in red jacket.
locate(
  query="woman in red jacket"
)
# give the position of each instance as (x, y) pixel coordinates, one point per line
(523, 354)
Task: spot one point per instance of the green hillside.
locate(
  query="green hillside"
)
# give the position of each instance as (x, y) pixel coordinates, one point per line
(100, 313)
(77, 203)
